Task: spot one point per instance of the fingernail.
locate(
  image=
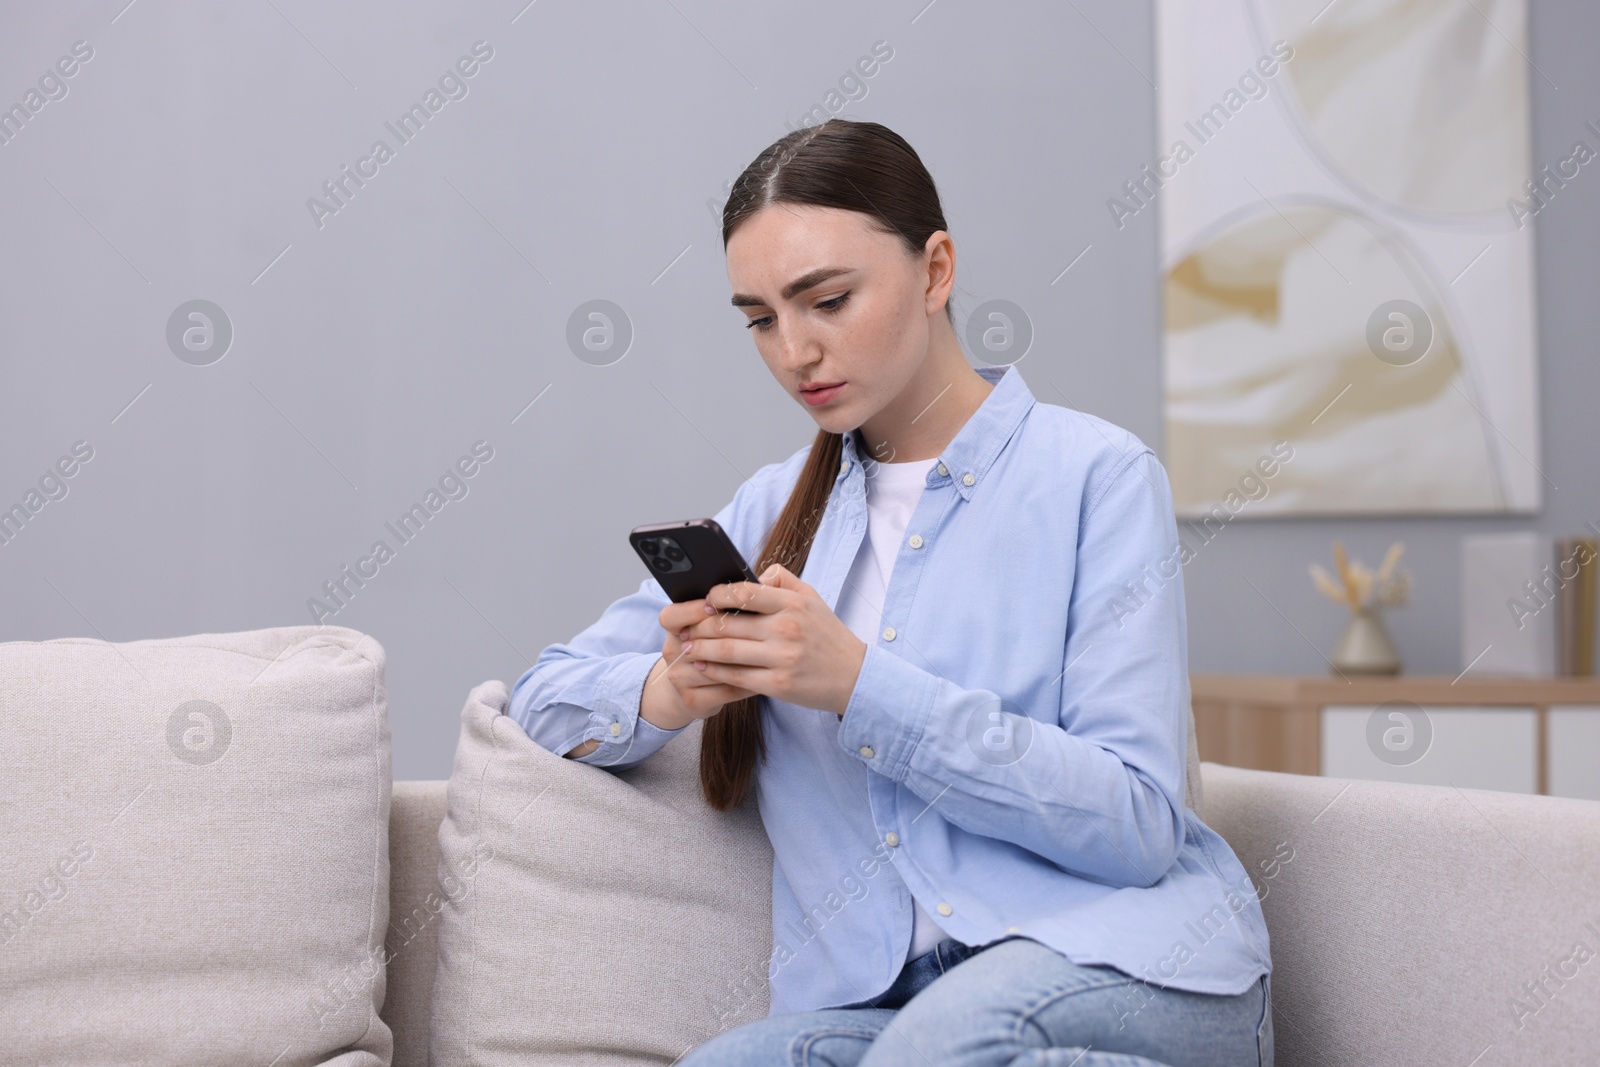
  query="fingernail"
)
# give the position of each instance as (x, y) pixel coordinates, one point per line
(710, 610)
(687, 645)
(699, 666)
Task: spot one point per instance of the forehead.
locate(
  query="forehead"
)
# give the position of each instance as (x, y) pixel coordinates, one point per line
(783, 241)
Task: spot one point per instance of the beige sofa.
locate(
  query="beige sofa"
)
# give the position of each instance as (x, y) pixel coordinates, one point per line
(1407, 921)
(206, 861)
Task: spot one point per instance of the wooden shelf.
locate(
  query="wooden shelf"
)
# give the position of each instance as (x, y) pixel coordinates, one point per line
(1274, 722)
(1419, 689)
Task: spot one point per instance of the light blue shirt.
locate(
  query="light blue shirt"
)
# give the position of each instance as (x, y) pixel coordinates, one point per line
(1013, 753)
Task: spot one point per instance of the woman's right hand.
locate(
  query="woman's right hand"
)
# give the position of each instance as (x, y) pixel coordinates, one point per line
(675, 694)
(683, 693)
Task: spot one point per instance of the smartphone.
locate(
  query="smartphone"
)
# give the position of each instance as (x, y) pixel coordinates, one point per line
(689, 557)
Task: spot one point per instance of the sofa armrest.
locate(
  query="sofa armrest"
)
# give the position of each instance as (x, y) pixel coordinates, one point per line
(1419, 924)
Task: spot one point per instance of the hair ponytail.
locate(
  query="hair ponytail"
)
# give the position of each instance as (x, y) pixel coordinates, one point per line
(731, 743)
(856, 166)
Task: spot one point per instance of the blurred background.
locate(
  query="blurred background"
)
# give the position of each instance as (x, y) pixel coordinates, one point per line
(258, 342)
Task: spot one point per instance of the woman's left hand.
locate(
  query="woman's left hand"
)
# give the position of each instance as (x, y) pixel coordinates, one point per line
(791, 647)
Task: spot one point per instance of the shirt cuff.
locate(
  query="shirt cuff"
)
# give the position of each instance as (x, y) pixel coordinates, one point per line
(888, 710)
(614, 720)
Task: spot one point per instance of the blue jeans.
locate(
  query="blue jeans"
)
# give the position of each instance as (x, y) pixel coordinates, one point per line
(1016, 1003)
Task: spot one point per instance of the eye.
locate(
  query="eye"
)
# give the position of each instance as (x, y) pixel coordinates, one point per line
(764, 323)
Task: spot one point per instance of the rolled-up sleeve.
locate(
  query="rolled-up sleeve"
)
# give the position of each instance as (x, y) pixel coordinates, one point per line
(1093, 782)
(576, 692)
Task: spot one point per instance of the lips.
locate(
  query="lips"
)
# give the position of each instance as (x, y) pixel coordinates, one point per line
(821, 395)
(819, 385)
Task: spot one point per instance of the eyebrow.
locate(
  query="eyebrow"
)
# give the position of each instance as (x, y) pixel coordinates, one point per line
(799, 285)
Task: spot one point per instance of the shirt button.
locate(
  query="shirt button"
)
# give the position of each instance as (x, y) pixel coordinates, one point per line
(866, 750)
(844, 465)
(916, 540)
(944, 909)
(616, 728)
(888, 633)
(967, 479)
(892, 838)
(943, 469)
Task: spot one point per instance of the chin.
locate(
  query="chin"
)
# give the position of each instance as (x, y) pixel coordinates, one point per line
(833, 421)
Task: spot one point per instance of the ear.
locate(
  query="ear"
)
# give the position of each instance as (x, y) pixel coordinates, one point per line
(941, 252)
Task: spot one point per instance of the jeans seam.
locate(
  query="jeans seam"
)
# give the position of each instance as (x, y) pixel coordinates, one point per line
(1261, 1024)
(1025, 1019)
(800, 1048)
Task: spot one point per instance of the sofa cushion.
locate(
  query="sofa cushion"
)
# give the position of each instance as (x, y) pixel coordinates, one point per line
(1420, 924)
(415, 902)
(195, 868)
(594, 916)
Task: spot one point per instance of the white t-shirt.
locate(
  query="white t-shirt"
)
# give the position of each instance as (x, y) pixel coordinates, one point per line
(893, 491)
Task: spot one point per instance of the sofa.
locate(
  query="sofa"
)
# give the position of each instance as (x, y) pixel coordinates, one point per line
(1408, 922)
(207, 863)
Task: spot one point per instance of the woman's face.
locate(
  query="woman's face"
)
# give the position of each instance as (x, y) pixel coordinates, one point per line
(830, 298)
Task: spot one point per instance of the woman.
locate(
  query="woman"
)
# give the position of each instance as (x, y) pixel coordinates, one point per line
(966, 727)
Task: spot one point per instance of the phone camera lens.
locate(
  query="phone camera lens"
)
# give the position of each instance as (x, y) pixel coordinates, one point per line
(674, 553)
(660, 564)
(649, 547)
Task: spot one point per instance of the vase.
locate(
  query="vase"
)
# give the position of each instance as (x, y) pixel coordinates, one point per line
(1366, 647)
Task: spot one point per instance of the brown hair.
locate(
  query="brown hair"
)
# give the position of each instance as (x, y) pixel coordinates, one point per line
(857, 166)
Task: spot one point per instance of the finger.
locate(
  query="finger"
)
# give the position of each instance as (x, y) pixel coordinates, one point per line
(732, 651)
(675, 617)
(716, 695)
(680, 660)
(721, 624)
(707, 692)
(699, 681)
(746, 596)
(680, 672)
(672, 651)
(740, 676)
(778, 576)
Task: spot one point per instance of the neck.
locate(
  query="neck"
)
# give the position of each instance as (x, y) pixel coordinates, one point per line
(929, 412)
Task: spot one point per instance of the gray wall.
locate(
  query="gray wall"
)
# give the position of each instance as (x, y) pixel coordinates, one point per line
(372, 351)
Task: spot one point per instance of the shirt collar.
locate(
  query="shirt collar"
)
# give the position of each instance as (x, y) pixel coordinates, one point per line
(969, 455)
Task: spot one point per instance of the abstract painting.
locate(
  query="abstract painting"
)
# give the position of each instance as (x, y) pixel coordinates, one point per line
(1346, 200)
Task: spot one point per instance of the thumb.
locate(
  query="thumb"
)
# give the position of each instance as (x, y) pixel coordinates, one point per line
(780, 577)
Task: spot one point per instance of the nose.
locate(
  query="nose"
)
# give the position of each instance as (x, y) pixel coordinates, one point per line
(796, 347)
